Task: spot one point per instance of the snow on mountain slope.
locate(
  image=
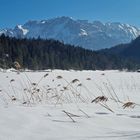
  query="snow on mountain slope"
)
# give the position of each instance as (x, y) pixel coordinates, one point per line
(91, 35)
(24, 31)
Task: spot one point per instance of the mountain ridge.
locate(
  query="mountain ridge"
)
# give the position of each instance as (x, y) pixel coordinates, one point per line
(128, 51)
(90, 35)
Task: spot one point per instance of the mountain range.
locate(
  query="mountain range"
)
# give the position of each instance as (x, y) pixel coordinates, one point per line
(90, 35)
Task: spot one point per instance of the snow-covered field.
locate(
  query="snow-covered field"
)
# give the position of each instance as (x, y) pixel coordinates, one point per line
(56, 105)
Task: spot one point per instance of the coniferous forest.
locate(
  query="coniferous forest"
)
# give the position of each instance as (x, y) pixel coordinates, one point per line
(39, 54)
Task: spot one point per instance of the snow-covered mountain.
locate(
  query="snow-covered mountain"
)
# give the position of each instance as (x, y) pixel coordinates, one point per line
(92, 35)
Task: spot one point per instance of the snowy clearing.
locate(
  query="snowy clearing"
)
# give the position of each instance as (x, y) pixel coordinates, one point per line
(56, 105)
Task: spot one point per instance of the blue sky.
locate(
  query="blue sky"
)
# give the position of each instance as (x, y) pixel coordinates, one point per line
(14, 12)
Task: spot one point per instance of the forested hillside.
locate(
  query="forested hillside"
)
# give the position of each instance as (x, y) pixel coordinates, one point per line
(41, 54)
(129, 51)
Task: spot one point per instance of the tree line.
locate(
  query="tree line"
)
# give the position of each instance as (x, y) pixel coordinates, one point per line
(40, 54)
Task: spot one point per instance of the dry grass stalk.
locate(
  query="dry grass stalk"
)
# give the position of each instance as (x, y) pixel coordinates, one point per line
(107, 107)
(70, 115)
(65, 88)
(129, 105)
(12, 80)
(38, 90)
(111, 86)
(13, 98)
(84, 113)
(88, 79)
(49, 89)
(24, 103)
(54, 96)
(25, 89)
(59, 77)
(100, 99)
(34, 84)
(17, 65)
(46, 75)
(61, 90)
(79, 85)
(74, 81)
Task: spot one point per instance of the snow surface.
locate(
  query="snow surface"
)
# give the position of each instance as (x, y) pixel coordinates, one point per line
(45, 120)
